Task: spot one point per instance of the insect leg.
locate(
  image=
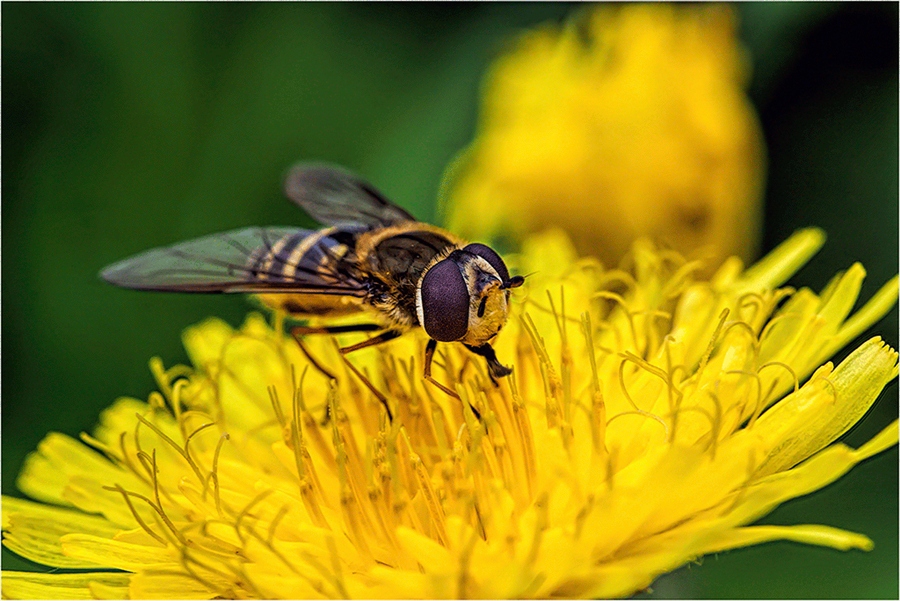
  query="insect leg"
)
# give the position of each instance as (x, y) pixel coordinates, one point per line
(361, 327)
(375, 391)
(297, 333)
(495, 368)
(429, 357)
(383, 337)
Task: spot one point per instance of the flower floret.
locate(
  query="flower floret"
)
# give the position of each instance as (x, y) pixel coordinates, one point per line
(652, 416)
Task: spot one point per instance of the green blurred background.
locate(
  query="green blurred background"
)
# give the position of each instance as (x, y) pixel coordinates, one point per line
(127, 126)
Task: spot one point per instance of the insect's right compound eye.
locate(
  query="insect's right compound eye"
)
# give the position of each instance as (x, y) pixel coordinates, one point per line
(488, 254)
(445, 302)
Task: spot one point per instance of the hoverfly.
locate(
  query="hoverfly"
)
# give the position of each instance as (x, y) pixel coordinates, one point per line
(374, 257)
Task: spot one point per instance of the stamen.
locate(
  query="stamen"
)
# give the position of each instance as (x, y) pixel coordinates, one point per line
(623, 304)
(137, 440)
(434, 507)
(312, 492)
(146, 462)
(273, 525)
(624, 387)
(542, 511)
(611, 457)
(214, 473)
(245, 512)
(714, 421)
(131, 467)
(276, 405)
(617, 275)
(533, 303)
(187, 441)
(758, 406)
(775, 383)
(108, 451)
(336, 566)
(296, 432)
(717, 423)
(674, 395)
(159, 506)
(172, 444)
(552, 384)
(712, 343)
(523, 426)
(169, 538)
(834, 390)
(212, 544)
(158, 370)
(755, 300)
(125, 496)
(646, 366)
(681, 279)
(641, 413)
(745, 326)
(565, 352)
(186, 561)
(775, 321)
(588, 333)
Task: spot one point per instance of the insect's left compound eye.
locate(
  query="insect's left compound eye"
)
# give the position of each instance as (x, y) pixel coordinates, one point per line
(487, 253)
(445, 302)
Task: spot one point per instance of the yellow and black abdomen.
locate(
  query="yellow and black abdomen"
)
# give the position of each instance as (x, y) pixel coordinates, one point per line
(324, 265)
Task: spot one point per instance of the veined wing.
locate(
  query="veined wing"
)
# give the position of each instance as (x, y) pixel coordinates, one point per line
(334, 196)
(253, 260)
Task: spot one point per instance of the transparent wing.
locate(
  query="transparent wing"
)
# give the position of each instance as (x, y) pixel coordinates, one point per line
(255, 260)
(334, 196)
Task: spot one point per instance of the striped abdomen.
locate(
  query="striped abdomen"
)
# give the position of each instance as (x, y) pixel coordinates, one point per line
(323, 264)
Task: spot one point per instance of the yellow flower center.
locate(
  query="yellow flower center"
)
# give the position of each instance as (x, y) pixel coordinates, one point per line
(650, 418)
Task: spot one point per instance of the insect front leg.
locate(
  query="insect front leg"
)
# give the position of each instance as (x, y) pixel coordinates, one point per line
(495, 368)
(429, 357)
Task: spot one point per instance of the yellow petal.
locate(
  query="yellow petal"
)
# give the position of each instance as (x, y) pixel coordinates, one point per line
(807, 534)
(34, 531)
(154, 584)
(34, 585)
(825, 408)
(877, 307)
(781, 263)
(817, 472)
(116, 554)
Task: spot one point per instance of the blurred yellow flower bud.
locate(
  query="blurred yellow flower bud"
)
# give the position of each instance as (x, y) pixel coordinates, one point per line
(629, 121)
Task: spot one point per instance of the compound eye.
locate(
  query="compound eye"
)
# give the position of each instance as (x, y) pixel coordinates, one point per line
(487, 253)
(445, 302)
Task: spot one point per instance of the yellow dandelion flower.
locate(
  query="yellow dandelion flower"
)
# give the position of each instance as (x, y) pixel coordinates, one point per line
(651, 418)
(631, 121)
